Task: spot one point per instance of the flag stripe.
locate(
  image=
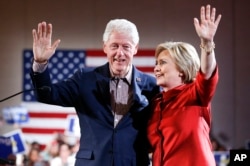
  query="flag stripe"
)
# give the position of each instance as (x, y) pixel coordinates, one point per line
(48, 115)
(146, 69)
(45, 123)
(42, 130)
(144, 52)
(140, 62)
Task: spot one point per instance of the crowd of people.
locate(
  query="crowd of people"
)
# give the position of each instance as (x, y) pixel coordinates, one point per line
(59, 152)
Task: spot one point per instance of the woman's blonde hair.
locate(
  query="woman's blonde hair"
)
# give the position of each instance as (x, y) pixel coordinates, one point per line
(185, 57)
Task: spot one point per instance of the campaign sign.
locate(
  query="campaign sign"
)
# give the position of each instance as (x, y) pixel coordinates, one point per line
(5, 147)
(239, 158)
(17, 141)
(221, 158)
(73, 128)
(16, 115)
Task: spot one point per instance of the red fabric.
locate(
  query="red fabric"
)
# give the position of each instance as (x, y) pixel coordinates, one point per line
(179, 127)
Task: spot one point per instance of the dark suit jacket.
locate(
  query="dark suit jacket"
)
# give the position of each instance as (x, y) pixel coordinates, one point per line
(88, 92)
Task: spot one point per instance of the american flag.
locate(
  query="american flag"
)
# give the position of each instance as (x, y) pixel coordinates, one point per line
(45, 120)
(62, 65)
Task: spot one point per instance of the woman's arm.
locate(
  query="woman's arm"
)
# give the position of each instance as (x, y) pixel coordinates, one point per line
(206, 30)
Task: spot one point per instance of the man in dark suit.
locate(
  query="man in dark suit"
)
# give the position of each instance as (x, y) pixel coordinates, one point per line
(111, 101)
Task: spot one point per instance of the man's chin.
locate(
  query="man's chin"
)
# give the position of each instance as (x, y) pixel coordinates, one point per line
(119, 71)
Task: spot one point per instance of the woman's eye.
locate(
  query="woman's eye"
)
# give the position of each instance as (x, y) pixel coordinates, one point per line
(162, 62)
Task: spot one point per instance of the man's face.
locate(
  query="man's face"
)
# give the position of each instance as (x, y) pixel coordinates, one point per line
(120, 50)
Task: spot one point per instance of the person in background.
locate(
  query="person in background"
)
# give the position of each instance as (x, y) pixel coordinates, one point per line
(52, 148)
(111, 101)
(75, 148)
(217, 145)
(10, 161)
(180, 123)
(34, 158)
(64, 158)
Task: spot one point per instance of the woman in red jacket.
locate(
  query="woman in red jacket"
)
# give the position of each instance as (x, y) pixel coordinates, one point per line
(179, 127)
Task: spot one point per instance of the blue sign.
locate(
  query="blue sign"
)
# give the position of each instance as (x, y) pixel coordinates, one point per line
(221, 158)
(17, 141)
(16, 115)
(5, 146)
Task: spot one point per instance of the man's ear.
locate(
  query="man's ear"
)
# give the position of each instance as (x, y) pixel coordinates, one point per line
(104, 47)
(136, 49)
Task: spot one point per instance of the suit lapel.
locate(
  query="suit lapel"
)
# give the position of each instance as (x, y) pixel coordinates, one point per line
(102, 81)
(138, 81)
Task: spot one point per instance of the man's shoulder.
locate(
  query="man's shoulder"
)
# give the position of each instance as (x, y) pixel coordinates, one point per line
(144, 79)
(139, 73)
(99, 70)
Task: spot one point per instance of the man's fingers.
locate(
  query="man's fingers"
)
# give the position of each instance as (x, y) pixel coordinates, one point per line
(44, 29)
(49, 31)
(34, 35)
(39, 30)
(55, 44)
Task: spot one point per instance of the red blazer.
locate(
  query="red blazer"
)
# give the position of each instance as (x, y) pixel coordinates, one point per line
(179, 127)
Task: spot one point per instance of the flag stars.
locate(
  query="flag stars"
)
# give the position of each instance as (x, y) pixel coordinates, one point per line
(63, 64)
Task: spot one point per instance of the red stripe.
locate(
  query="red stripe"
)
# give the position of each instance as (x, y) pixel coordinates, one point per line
(41, 130)
(144, 52)
(95, 53)
(146, 69)
(48, 115)
(142, 68)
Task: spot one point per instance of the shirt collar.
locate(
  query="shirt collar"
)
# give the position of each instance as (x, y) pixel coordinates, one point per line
(128, 76)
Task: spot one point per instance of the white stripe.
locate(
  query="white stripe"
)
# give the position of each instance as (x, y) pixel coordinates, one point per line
(47, 123)
(138, 61)
(144, 61)
(41, 138)
(38, 107)
(95, 61)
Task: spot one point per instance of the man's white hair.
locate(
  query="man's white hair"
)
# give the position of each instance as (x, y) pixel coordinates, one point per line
(121, 26)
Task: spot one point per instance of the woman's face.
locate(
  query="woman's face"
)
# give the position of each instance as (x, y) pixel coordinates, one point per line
(166, 72)
(120, 51)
